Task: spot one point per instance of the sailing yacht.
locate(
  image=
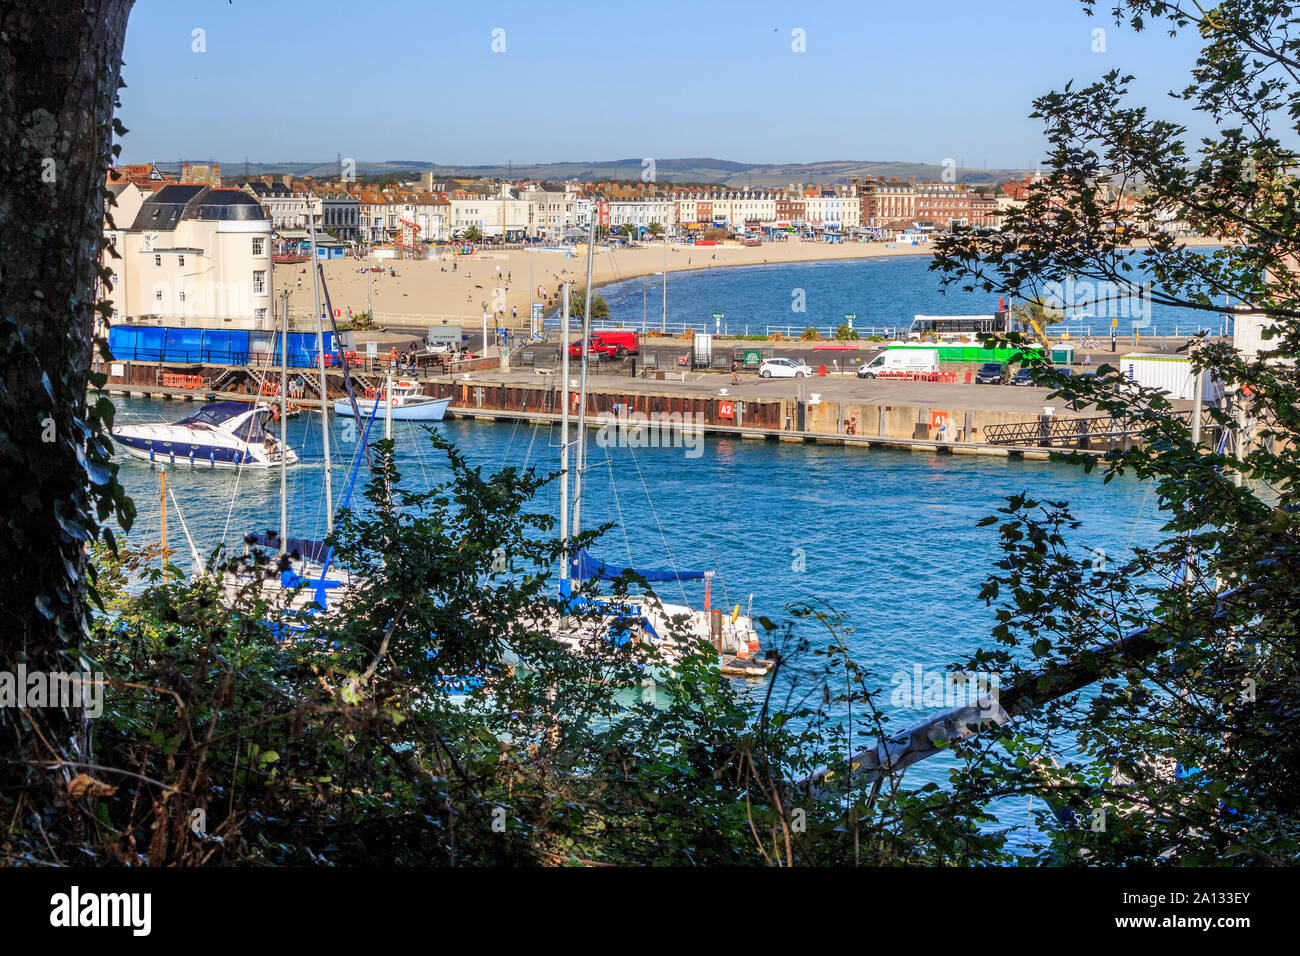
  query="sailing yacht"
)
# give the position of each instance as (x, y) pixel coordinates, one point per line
(674, 630)
(306, 587)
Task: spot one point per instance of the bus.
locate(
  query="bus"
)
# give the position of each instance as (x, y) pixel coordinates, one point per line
(963, 327)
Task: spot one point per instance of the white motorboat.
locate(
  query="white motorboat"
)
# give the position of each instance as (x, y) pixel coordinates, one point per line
(409, 403)
(220, 435)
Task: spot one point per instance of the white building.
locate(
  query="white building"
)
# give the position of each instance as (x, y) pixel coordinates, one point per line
(641, 212)
(551, 210)
(489, 214)
(286, 208)
(196, 256)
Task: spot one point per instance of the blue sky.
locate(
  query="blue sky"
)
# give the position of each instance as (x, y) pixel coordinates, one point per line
(414, 80)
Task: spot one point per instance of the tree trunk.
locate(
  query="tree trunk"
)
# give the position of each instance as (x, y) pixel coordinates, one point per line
(59, 75)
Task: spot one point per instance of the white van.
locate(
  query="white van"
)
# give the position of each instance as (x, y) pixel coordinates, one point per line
(902, 359)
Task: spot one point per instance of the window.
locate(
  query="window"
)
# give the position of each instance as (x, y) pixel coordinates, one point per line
(157, 260)
(180, 260)
(157, 295)
(259, 281)
(258, 245)
(181, 295)
(259, 315)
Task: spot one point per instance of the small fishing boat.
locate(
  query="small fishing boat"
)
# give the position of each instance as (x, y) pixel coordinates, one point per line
(221, 435)
(409, 403)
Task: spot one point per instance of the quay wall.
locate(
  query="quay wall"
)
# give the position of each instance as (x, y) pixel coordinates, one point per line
(937, 424)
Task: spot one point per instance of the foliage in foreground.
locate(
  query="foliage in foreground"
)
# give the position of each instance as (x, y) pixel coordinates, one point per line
(1182, 748)
(224, 741)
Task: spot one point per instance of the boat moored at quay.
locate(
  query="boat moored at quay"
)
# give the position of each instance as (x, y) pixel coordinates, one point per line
(220, 435)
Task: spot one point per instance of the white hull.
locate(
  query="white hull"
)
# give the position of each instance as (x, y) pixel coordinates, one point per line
(426, 410)
(222, 435)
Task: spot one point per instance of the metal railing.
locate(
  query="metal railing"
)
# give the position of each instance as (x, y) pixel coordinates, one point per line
(655, 326)
(1046, 432)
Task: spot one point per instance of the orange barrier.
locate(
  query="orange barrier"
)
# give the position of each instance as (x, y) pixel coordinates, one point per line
(947, 377)
(174, 380)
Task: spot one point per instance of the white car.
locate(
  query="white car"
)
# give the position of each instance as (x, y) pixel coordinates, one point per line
(783, 368)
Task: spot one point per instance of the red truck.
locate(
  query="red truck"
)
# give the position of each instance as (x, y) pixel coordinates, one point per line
(615, 342)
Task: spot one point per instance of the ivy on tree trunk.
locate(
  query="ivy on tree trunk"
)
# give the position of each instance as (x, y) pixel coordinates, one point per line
(59, 75)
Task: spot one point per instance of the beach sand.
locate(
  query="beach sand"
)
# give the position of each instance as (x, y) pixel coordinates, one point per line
(426, 292)
(431, 292)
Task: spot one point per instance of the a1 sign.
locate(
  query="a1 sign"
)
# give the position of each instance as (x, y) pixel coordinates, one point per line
(338, 313)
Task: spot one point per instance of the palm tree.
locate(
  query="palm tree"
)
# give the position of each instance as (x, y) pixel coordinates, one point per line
(577, 304)
(655, 229)
(472, 234)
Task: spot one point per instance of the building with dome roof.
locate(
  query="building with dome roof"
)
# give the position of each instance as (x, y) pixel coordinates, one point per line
(196, 256)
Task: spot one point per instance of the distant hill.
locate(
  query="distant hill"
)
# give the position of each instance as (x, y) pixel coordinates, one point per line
(690, 170)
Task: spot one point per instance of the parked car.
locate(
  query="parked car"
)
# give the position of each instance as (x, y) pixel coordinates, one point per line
(783, 368)
(1024, 376)
(991, 373)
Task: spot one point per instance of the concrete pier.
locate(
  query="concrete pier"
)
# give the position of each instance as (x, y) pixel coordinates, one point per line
(921, 416)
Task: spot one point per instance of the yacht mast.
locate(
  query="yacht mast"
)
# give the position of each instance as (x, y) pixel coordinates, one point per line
(564, 439)
(582, 386)
(284, 422)
(388, 406)
(324, 394)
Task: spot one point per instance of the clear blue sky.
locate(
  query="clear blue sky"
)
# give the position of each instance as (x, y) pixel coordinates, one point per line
(415, 80)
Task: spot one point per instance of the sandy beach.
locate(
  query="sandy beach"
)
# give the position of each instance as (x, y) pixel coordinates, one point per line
(456, 289)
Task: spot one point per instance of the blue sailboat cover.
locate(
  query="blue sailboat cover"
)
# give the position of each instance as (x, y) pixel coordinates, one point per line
(307, 548)
(585, 567)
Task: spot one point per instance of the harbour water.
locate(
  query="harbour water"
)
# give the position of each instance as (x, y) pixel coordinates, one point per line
(881, 292)
(887, 537)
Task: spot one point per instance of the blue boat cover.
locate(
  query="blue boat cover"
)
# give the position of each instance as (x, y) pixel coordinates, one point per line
(585, 567)
(307, 548)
